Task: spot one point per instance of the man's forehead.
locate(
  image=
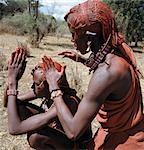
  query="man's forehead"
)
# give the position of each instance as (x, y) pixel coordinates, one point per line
(87, 32)
(71, 30)
(77, 31)
(39, 70)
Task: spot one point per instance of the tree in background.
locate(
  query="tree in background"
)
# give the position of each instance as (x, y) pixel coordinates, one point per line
(3, 2)
(2, 7)
(43, 24)
(34, 12)
(12, 7)
(23, 17)
(130, 18)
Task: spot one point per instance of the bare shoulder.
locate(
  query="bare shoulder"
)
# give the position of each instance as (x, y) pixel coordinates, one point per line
(118, 66)
(108, 79)
(114, 67)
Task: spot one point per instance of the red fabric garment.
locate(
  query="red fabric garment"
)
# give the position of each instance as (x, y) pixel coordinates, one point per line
(122, 121)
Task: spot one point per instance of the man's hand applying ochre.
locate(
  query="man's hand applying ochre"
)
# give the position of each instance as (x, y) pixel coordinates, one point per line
(52, 75)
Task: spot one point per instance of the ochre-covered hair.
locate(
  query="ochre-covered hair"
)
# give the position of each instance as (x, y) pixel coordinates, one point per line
(90, 12)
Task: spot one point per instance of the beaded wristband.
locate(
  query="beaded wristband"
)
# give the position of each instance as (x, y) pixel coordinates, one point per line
(12, 92)
(56, 93)
(54, 90)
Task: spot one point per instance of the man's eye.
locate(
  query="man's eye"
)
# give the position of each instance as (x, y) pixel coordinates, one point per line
(37, 84)
(81, 37)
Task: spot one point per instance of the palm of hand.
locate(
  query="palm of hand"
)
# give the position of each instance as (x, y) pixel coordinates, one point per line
(52, 75)
(69, 54)
(12, 72)
(21, 71)
(16, 65)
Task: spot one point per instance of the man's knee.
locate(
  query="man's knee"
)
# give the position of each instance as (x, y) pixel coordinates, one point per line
(39, 141)
(34, 141)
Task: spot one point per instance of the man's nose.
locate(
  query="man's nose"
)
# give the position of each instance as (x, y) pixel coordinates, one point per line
(72, 40)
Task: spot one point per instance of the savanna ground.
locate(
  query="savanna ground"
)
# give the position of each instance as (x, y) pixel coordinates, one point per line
(77, 75)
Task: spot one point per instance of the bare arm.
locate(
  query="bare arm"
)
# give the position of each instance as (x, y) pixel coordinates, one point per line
(74, 56)
(30, 95)
(88, 107)
(101, 85)
(5, 98)
(16, 126)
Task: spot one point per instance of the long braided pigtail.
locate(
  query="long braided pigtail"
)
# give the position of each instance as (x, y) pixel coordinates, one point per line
(127, 52)
(118, 41)
(123, 48)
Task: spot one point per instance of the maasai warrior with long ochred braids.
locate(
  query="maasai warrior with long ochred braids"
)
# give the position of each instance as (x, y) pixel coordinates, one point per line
(39, 122)
(114, 94)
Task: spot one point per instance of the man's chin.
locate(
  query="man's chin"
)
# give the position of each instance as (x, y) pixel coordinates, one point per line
(82, 51)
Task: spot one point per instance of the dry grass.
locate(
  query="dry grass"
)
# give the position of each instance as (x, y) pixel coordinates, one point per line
(77, 75)
(3, 63)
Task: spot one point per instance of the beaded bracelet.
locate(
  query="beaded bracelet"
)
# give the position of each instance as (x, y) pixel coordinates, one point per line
(54, 90)
(12, 92)
(56, 93)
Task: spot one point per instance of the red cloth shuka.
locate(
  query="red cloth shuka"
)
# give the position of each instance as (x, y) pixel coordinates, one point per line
(122, 122)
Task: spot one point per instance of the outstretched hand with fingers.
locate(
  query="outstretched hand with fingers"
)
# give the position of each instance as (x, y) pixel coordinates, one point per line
(22, 69)
(16, 65)
(70, 54)
(51, 73)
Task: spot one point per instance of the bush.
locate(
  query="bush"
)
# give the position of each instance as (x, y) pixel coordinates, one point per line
(20, 23)
(62, 29)
(130, 18)
(13, 7)
(76, 82)
(3, 62)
